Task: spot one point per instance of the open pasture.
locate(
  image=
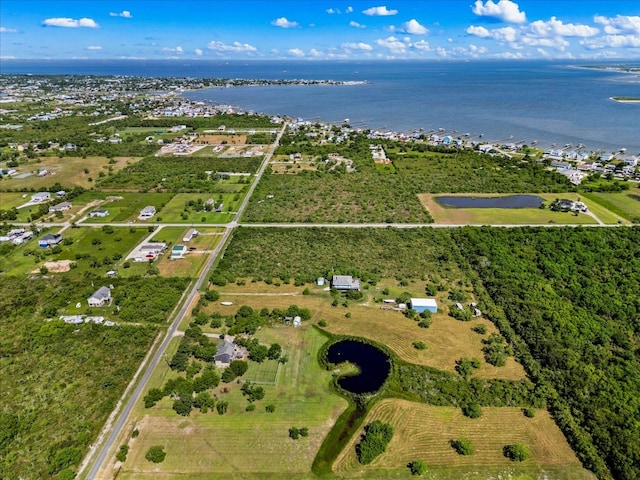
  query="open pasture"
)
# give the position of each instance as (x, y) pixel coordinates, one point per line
(125, 206)
(623, 204)
(177, 210)
(504, 216)
(214, 446)
(68, 171)
(423, 432)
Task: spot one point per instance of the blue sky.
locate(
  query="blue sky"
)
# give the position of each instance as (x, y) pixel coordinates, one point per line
(319, 29)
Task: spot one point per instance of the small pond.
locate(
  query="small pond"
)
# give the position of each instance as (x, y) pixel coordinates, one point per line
(373, 363)
(512, 201)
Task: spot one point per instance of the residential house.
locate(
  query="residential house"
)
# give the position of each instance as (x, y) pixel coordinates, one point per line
(147, 212)
(50, 240)
(345, 283)
(60, 207)
(227, 352)
(100, 297)
(178, 251)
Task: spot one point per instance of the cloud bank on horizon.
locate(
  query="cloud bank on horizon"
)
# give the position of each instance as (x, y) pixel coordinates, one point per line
(320, 29)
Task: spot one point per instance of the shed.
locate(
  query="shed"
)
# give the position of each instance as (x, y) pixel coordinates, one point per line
(147, 212)
(192, 232)
(320, 281)
(297, 321)
(422, 304)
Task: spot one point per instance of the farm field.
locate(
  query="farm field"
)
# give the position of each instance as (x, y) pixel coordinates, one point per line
(511, 216)
(422, 432)
(69, 172)
(625, 204)
(214, 446)
(10, 200)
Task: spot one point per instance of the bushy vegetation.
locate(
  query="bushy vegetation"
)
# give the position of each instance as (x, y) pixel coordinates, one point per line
(569, 304)
(417, 467)
(374, 441)
(516, 452)
(462, 446)
(369, 195)
(54, 374)
(178, 174)
(156, 454)
(308, 253)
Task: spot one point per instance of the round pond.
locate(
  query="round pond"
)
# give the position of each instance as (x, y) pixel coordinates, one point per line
(373, 363)
(511, 201)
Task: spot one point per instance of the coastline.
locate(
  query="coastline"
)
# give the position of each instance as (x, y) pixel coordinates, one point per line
(625, 100)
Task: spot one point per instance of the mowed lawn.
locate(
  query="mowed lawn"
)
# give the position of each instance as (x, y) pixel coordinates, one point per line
(243, 444)
(423, 432)
(624, 204)
(68, 171)
(511, 216)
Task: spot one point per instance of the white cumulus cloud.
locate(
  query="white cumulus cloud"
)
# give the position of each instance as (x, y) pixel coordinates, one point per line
(123, 14)
(66, 22)
(282, 22)
(365, 47)
(234, 47)
(505, 34)
(349, 9)
(198, 52)
(296, 52)
(414, 28)
(555, 27)
(94, 47)
(7, 30)
(422, 45)
(619, 24)
(355, 24)
(382, 11)
(395, 45)
(505, 10)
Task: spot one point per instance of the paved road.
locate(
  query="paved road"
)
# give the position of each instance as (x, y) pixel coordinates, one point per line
(104, 449)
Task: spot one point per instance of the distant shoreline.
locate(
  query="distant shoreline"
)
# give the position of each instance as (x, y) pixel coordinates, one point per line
(625, 99)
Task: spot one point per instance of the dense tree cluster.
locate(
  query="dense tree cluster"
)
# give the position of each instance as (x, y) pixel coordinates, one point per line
(569, 304)
(374, 441)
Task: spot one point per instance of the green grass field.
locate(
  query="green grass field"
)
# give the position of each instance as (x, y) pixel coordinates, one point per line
(125, 206)
(423, 432)
(173, 211)
(241, 444)
(9, 200)
(69, 171)
(624, 204)
(91, 250)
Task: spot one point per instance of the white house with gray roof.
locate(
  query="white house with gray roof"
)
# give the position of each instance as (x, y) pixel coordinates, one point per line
(101, 297)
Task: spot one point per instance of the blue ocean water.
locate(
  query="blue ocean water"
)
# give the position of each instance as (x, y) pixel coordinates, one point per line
(552, 103)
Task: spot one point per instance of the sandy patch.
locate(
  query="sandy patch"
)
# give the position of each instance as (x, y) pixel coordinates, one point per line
(56, 267)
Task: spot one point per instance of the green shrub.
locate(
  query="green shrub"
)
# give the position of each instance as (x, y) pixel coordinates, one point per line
(377, 436)
(472, 410)
(156, 454)
(417, 467)
(462, 446)
(419, 345)
(516, 452)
